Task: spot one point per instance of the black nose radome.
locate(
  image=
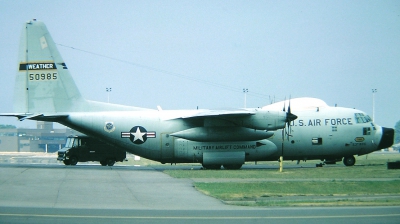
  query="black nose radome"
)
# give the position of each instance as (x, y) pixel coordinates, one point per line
(387, 138)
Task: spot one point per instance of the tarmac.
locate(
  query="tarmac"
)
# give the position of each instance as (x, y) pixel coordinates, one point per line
(42, 181)
(36, 188)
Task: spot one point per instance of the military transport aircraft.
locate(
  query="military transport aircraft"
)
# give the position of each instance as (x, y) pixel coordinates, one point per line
(328, 133)
(45, 91)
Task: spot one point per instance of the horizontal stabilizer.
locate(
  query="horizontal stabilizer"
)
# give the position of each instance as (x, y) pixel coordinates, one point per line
(17, 115)
(31, 117)
(38, 117)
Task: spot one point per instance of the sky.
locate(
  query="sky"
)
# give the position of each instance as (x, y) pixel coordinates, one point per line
(202, 54)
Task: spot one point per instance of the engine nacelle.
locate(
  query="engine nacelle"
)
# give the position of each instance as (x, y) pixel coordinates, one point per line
(223, 158)
(263, 120)
(222, 134)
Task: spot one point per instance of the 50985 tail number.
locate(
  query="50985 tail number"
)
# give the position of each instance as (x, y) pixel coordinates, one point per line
(43, 77)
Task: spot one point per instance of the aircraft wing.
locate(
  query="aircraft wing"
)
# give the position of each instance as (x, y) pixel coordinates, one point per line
(253, 118)
(219, 114)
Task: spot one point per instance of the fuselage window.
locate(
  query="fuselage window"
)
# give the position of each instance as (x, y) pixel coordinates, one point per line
(367, 131)
(316, 141)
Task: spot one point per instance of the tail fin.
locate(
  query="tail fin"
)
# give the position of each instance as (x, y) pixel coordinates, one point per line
(43, 82)
(44, 88)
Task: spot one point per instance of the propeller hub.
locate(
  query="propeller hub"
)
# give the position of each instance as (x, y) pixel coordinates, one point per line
(290, 117)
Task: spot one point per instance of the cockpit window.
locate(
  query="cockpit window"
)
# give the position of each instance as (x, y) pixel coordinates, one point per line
(362, 118)
(367, 131)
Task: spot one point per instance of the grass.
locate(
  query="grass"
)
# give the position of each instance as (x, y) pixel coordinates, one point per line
(373, 166)
(239, 191)
(320, 202)
(309, 173)
(368, 183)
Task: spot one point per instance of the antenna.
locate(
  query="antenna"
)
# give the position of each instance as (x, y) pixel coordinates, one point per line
(373, 103)
(245, 90)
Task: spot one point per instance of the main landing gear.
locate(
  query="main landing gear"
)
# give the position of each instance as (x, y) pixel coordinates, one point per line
(349, 160)
(226, 166)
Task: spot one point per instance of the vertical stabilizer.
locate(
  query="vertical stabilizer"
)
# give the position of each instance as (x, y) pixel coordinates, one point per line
(43, 82)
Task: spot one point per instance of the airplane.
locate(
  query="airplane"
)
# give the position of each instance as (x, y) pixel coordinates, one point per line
(329, 134)
(46, 91)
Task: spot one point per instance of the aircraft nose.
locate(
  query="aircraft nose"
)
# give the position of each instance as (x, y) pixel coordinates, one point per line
(387, 138)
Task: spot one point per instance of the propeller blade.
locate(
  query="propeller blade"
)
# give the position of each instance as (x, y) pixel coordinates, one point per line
(289, 118)
(284, 105)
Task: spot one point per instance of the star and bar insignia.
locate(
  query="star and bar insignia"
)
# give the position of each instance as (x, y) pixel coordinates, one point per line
(138, 135)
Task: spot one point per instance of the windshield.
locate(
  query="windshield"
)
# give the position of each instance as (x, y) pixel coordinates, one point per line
(71, 142)
(361, 118)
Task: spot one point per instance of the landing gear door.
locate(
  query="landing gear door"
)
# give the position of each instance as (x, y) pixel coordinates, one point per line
(167, 146)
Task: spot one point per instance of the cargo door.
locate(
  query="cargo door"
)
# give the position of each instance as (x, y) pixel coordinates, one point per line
(167, 146)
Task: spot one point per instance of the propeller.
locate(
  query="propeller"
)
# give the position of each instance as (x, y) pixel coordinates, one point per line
(289, 118)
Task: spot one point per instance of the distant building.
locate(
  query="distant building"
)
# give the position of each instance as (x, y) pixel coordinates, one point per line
(43, 139)
(396, 147)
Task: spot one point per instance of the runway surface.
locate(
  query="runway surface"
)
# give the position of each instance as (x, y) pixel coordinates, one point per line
(273, 215)
(54, 193)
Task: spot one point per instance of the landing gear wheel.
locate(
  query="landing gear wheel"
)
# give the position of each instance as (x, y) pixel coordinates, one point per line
(110, 162)
(233, 166)
(212, 167)
(103, 163)
(349, 160)
(67, 162)
(73, 160)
